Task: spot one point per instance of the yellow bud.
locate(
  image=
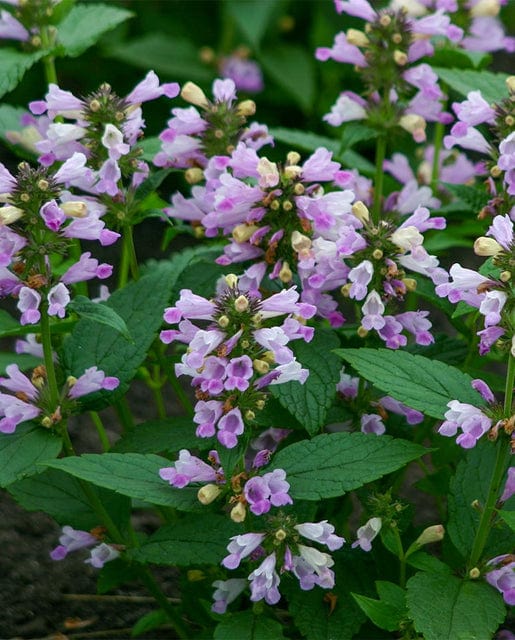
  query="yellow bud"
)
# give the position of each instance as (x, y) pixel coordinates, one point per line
(195, 575)
(495, 171)
(285, 274)
(299, 189)
(47, 422)
(70, 381)
(280, 535)
(94, 105)
(361, 212)
(43, 184)
(292, 171)
(485, 8)
(194, 175)
(243, 232)
(268, 356)
(400, 57)
(345, 290)
(414, 124)
(246, 108)
(193, 94)
(474, 573)
(260, 405)
(300, 242)
(238, 512)
(241, 303)
(505, 276)
(293, 157)
(385, 20)
(261, 366)
(10, 214)
(510, 83)
(486, 247)
(377, 254)
(75, 209)
(249, 414)
(287, 205)
(362, 332)
(223, 321)
(231, 280)
(208, 493)
(410, 284)
(357, 38)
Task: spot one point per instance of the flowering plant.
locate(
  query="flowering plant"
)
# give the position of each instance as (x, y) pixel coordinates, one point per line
(328, 410)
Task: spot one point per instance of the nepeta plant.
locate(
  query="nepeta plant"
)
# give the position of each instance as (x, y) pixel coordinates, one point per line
(340, 327)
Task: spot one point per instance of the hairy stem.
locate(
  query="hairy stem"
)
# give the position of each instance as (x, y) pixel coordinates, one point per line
(378, 180)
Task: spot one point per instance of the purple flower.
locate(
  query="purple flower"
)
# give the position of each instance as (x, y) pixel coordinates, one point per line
(28, 304)
(264, 582)
(509, 487)
(58, 297)
(226, 592)
(101, 554)
(321, 532)
(271, 489)
(230, 426)
(240, 547)
(469, 419)
(188, 469)
(367, 533)
(312, 567)
(502, 576)
(71, 540)
(93, 379)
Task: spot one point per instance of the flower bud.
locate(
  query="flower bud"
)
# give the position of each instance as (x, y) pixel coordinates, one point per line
(377, 254)
(285, 274)
(195, 575)
(231, 280)
(70, 381)
(345, 290)
(238, 512)
(400, 57)
(414, 124)
(362, 332)
(243, 232)
(510, 83)
(223, 322)
(357, 38)
(241, 303)
(300, 242)
(75, 209)
(484, 246)
(474, 573)
(485, 8)
(495, 171)
(208, 493)
(280, 535)
(246, 108)
(435, 533)
(10, 214)
(361, 212)
(292, 157)
(193, 94)
(292, 171)
(385, 20)
(261, 366)
(194, 175)
(505, 276)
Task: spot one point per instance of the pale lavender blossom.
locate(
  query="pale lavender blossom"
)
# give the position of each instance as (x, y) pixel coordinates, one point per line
(226, 592)
(372, 423)
(28, 303)
(502, 576)
(188, 468)
(71, 540)
(263, 492)
(58, 298)
(472, 422)
(101, 554)
(509, 487)
(264, 582)
(367, 533)
(93, 379)
(240, 547)
(321, 532)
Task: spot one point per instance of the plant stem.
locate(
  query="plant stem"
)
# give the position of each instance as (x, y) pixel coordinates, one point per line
(499, 470)
(48, 61)
(402, 559)
(438, 139)
(124, 414)
(97, 421)
(379, 175)
(149, 581)
(129, 261)
(157, 390)
(46, 341)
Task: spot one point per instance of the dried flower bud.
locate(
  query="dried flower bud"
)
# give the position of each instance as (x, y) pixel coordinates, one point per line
(238, 512)
(285, 274)
(243, 232)
(484, 246)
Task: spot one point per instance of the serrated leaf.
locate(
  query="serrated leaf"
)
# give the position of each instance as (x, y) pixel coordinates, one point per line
(252, 17)
(188, 542)
(244, 625)
(140, 304)
(22, 450)
(470, 483)
(354, 133)
(308, 141)
(151, 620)
(99, 312)
(452, 57)
(63, 498)
(13, 65)
(420, 383)
(23, 360)
(171, 434)
(508, 517)
(473, 197)
(86, 24)
(132, 474)
(309, 402)
(330, 465)
(492, 85)
(10, 119)
(174, 57)
(444, 607)
(294, 71)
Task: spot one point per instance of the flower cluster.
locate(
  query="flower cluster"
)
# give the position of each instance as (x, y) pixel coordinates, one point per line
(39, 223)
(29, 21)
(192, 137)
(501, 575)
(31, 398)
(238, 354)
(283, 551)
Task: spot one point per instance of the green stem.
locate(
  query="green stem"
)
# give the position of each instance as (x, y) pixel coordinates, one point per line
(46, 341)
(402, 559)
(129, 261)
(157, 390)
(48, 61)
(498, 473)
(438, 139)
(97, 421)
(124, 414)
(379, 175)
(149, 581)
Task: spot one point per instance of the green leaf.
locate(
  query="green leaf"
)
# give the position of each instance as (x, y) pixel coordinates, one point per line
(154, 436)
(140, 305)
(294, 71)
(492, 85)
(423, 384)
(309, 401)
(308, 141)
(151, 620)
(252, 18)
(13, 66)
(10, 119)
(188, 542)
(169, 55)
(355, 132)
(473, 197)
(132, 474)
(385, 615)
(23, 360)
(425, 562)
(444, 607)
(22, 450)
(471, 483)
(329, 465)
(99, 312)
(244, 625)
(63, 498)
(508, 517)
(450, 57)
(85, 24)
